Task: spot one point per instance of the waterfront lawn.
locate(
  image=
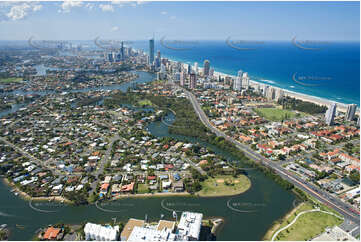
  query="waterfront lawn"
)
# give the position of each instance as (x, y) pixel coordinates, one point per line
(11, 80)
(142, 188)
(307, 225)
(276, 114)
(224, 185)
(145, 103)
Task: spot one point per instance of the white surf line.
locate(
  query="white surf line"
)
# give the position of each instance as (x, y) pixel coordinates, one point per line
(107, 210)
(298, 215)
(39, 210)
(238, 210)
(168, 209)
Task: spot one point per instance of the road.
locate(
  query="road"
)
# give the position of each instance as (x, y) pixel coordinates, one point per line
(103, 161)
(32, 158)
(344, 209)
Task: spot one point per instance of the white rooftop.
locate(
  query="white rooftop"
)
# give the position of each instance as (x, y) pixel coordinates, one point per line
(190, 225)
(148, 234)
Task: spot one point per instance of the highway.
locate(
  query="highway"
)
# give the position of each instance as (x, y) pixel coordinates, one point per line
(335, 203)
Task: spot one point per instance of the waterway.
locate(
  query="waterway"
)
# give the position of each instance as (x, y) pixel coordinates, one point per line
(247, 216)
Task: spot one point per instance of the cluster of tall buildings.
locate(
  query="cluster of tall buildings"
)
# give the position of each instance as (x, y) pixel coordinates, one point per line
(331, 113)
(185, 74)
(241, 81)
(118, 56)
(271, 93)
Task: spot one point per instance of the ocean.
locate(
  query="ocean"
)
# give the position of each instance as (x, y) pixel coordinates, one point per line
(329, 70)
(324, 69)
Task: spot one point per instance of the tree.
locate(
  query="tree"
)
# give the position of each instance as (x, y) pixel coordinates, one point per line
(355, 176)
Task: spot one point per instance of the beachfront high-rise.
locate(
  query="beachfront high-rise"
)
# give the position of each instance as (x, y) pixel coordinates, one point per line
(330, 114)
(206, 67)
(196, 67)
(189, 69)
(151, 51)
(351, 110)
(245, 80)
(237, 84)
(270, 95)
(192, 81)
(181, 78)
(265, 89)
(279, 94)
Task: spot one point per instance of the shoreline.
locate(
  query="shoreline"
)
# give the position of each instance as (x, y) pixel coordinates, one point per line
(269, 233)
(298, 95)
(27, 197)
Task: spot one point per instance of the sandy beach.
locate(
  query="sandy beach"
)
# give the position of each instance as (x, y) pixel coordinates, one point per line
(304, 97)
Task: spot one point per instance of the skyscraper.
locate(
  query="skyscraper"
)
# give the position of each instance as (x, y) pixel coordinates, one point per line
(270, 95)
(206, 67)
(265, 89)
(196, 67)
(158, 54)
(211, 72)
(181, 78)
(279, 94)
(122, 57)
(151, 51)
(192, 81)
(351, 110)
(237, 84)
(245, 81)
(330, 114)
(189, 69)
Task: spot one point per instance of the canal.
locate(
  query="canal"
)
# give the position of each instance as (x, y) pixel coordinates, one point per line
(247, 216)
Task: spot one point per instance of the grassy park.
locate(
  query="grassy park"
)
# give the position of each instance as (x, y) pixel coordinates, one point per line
(142, 188)
(307, 225)
(145, 103)
(276, 114)
(224, 185)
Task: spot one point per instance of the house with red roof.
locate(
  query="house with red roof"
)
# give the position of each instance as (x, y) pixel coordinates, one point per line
(51, 233)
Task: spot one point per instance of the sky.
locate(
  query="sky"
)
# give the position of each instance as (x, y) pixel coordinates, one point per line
(118, 20)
